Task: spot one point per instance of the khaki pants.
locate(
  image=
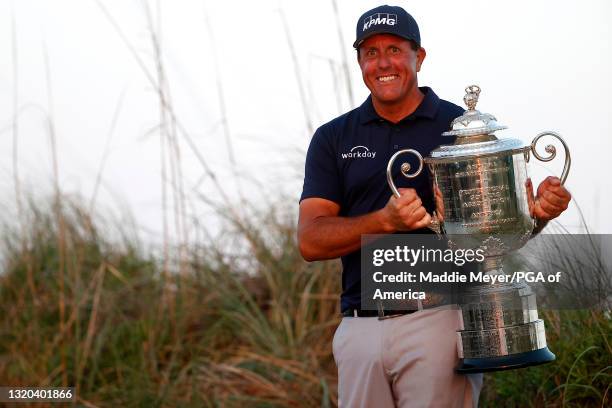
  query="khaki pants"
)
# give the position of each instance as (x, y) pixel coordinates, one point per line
(405, 361)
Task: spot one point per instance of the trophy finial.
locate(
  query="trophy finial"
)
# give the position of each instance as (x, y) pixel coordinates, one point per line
(471, 96)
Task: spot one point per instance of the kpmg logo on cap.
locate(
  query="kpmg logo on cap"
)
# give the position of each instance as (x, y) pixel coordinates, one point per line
(379, 18)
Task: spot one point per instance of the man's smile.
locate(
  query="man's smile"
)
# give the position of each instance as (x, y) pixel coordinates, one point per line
(387, 78)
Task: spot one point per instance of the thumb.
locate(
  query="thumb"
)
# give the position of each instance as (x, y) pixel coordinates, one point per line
(548, 183)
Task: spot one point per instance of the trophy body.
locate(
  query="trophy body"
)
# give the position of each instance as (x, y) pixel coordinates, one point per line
(485, 204)
(483, 197)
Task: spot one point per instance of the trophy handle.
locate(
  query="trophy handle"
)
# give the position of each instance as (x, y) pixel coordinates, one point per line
(405, 169)
(552, 151)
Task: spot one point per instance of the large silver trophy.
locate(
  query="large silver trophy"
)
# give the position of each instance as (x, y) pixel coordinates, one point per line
(483, 197)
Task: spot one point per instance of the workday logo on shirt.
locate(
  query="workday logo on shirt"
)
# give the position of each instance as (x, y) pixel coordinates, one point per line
(359, 152)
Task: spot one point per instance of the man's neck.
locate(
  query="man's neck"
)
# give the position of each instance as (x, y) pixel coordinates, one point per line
(394, 112)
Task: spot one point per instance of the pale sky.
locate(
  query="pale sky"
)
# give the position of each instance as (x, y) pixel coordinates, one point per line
(542, 65)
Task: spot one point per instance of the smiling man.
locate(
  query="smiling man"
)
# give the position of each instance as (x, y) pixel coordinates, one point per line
(407, 360)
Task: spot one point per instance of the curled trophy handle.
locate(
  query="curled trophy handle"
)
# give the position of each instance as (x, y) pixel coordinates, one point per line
(552, 151)
(405, 168)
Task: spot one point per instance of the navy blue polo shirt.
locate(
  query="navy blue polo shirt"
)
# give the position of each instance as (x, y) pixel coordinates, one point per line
(347, 163)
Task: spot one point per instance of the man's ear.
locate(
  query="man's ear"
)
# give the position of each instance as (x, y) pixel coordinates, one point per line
(421, 54)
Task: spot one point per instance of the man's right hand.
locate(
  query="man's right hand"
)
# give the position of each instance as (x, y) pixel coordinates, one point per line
(405, 213)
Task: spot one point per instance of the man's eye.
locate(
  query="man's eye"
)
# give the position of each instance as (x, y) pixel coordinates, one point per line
(371, 53)
(395, 50)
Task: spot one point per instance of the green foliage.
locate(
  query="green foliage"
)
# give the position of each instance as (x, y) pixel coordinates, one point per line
(580, 376)
(232, 328)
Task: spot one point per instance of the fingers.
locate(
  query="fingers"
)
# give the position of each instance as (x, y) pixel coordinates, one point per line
(407, 195)
(414, 216)
(552, 199)
(407, 211)
(553, 185)
(550, 181)
(437, 191)
(540, 213)
(410, 208)
(412, 213)
(530, 197)
(423, 222)
(556, 200)
(439, 201)
(559, 193)
(549, 208)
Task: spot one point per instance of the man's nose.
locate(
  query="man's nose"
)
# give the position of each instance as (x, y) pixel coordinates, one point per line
(383, 62)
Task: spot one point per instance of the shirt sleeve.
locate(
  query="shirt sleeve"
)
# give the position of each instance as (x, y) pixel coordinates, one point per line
(321, 176)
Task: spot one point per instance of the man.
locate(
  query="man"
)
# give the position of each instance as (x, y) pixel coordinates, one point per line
(407, 360)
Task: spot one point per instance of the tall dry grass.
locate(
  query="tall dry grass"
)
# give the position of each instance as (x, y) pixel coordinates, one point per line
(249, 328)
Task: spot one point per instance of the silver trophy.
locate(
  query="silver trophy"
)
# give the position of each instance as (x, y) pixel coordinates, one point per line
(483, 197)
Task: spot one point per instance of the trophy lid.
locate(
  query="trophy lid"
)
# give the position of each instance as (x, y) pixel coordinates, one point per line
(474, 131)
(473, 122)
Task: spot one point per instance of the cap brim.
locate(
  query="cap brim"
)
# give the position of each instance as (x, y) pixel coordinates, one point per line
(357, 43)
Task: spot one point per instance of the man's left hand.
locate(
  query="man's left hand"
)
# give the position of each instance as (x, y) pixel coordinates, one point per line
(552, 199)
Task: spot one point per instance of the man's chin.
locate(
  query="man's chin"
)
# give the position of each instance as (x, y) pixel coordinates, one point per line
(386, 99)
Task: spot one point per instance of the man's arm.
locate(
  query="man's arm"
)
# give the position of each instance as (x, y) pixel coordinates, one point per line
(322, 234)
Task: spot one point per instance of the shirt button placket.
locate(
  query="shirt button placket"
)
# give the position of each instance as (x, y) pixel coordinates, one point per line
(395, 136)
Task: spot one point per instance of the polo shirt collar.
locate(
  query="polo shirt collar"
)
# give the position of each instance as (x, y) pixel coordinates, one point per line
(426, 109)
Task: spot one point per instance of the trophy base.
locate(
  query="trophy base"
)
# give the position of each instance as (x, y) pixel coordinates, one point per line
(509, 362)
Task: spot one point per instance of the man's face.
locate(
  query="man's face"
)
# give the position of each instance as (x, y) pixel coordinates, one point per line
(389, 68)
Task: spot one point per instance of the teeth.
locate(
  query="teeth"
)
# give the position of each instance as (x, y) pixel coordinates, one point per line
(387, 78)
